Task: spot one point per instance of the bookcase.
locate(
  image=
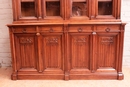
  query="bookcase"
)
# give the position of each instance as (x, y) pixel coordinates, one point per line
(66, 39)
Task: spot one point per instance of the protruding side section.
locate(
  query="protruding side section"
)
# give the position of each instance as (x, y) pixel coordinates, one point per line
(120, 74)
(14, 74)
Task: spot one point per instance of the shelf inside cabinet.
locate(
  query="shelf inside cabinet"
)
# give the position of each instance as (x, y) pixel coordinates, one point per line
(27, 9)
(105, 7)
(52, 8)
(79, 9)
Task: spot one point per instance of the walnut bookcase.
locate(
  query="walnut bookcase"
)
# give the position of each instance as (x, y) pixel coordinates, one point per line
(66, 39)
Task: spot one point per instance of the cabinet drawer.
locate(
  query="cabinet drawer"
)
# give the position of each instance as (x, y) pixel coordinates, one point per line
(24, 30)
(108, 28)
(51, 29)
(80, 28)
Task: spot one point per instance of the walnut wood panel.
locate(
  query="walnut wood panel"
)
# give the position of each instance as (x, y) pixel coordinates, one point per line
(107, 50)
(26, 51)
(52, 50)
(79, 52)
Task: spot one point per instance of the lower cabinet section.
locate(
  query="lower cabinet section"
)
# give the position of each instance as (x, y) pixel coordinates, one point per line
(69, 52)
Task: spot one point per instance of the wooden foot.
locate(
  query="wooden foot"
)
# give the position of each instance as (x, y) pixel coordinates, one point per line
(14, 76)
(66, 76)
(120, 76)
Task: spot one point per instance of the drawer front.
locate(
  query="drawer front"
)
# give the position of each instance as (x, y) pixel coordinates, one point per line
(24, 30)
(108, 28)
(51, 29)
(80, 28)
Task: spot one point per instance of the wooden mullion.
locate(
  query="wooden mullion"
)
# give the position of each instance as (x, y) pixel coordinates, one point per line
(118, 9)
(39, 9)
(14, 6)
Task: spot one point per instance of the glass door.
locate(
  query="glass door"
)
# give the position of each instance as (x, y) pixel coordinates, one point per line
(27, 8)
(52, 9)
(106, 9)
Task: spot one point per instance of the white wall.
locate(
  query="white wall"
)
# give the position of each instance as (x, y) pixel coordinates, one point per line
(6, 18)
(125, 16)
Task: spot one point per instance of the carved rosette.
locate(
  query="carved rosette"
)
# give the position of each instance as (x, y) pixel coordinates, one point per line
(52, 41)
(107, 40)
(80, 41)
(26, 40)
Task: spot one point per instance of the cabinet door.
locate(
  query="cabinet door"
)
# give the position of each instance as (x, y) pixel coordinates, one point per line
(53, 9)
(26, 52)
(26, 9)
(52, 54)
(107, 50)
(79, 54)
(108, 9)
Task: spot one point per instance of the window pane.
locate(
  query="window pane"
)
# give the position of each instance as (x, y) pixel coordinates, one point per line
(79, 9)
(27, 9)
(104, 8)
(53, 8)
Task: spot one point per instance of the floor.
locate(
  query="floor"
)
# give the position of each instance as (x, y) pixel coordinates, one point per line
(5, 81)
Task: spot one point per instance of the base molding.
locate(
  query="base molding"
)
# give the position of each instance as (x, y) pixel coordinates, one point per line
(66, 76)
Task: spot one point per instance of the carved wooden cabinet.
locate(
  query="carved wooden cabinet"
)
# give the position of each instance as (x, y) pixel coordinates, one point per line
(66, 39)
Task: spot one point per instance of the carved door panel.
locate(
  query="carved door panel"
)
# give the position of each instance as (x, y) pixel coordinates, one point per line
(26, 52)
(52, 53)
(107, 50)
(79, 52)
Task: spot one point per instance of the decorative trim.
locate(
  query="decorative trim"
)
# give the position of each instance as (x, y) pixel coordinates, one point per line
(107, 40)
(26, 40)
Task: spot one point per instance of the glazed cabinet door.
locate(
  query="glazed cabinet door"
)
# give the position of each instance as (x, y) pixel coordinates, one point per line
(26, 51)
(53, 9)
(107, 9)
(25, 9)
